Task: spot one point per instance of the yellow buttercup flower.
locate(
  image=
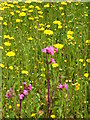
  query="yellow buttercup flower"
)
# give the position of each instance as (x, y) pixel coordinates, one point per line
(42, 75)
(70, 32)
(77, 85)
(12, 13)
(88, 60)
(31, 18)
(62, 14)
(33, 114)
(48, 32)
(10, 54)
(60, 8)
(31, 6)
(2, 65)
(54, 65)
(18, 20)
(18, 105)
(60, 26)
(1, 18)
(57, 22)
(48, 26)
(10, 107)
(30, 11)
(22, 14)
(80, 60)
(52, 116)
(38, 8)
(40, 12)
(11, 67)
(6, 36)
(30, 38)
(63, 3)
(41, 29)
(25, 72)
(1, 47)
(59, 46)
(88, 41)
(5, 23)
(84, 65)
(7, 43)
(65, 60)
(46, 6)
(86, 75)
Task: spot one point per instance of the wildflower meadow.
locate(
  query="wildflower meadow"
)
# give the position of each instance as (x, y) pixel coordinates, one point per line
(44, 59)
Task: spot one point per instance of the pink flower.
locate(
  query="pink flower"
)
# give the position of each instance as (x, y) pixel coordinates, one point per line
(56, 50)
(7, 94)
(11, 90)
(65, 85)
(21, 96)
(25, 92)
(29, 87)
(49, 50)
(24, 83)
(60, 86)
(52, 60)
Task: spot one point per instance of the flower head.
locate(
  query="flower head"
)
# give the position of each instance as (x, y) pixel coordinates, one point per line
(21, 96)
(65, 86)
(52, 60)
(7, 94)
(25, 92)
(29, 87)
(60, 86)
(49, 50)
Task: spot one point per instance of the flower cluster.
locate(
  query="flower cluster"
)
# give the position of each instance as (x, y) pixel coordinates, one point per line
(10, 93)
(25, 91)
(63, 86)
(50, 50)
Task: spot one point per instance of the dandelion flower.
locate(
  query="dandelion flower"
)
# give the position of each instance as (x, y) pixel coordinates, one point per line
(10, 54)
(7, 43)
(86, 75)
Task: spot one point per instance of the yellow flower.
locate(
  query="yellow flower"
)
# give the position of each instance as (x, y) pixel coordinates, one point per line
(7, 43)
(5, 23)
(17, 11)
(1, 18)
(18, 105)
(10, 54)
(60, 26)
(80, 60)
(18, 20)
(30, 38)
(38, 8)
(30, 11)
(12, 13)
(70, 37)
(35, 27)
(10, 107)
(31, 6)
(86, 75)
(24, 9)
(54, 65)
(33, 114)
(86, 14)
(11, 38)
(6, 36)
(40, 12)
(59, 46)
(88, 60)
(62, 14)
(65, 60)
(1, 47)
(84, 64)
(48, 32)
(41, 29)
(42, 75)
(11, 67)
(88, 41)
(24, 72)
(52, 116)
(63, 3)
(22, 14)
(56, 22)
(46, 6)
(60, 8)
(70, 32)
(48, 26)
(2, 65)
(77, 85)
(31, 18)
